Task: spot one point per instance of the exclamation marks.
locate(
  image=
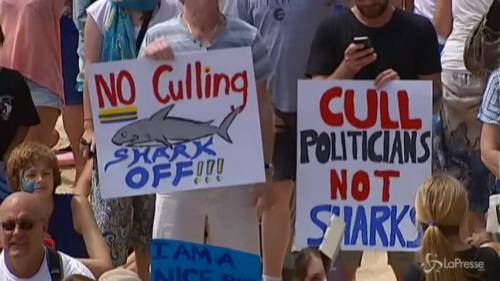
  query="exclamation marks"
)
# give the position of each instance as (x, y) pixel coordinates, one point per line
(220, 168)
(205, 171)
(210, 170)
(199, 172)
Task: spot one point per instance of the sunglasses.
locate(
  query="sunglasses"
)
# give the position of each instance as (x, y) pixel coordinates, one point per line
(10, 225)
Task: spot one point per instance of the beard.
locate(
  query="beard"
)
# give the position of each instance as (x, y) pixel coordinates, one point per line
(374, 10)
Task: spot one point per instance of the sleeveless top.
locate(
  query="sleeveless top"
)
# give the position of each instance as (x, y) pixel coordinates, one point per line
(62, 230)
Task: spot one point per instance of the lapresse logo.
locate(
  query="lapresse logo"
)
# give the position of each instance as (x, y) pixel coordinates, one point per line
(433, 264)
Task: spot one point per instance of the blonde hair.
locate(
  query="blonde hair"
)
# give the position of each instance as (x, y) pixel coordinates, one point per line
(441, 206)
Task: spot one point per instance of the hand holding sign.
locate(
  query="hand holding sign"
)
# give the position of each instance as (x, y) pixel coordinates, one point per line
(159, 50)
(87, 143)
(385, 77)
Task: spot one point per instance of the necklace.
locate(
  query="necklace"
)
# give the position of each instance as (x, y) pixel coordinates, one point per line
(211, 34)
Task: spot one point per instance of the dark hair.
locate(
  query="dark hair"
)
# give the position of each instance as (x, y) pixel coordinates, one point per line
(302, 261)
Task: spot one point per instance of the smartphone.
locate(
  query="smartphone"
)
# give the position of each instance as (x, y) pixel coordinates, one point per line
(363, 40)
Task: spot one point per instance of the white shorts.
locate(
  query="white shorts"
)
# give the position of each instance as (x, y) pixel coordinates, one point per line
(223, 217)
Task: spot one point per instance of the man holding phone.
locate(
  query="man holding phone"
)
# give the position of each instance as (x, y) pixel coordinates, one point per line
(394, 45)
(403, 46)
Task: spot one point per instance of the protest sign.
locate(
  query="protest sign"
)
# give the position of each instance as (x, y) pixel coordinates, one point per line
(174, 260)
(362, 154)
(189, 123)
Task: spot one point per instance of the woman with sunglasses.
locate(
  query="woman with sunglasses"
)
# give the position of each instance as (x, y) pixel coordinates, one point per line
(33, 168)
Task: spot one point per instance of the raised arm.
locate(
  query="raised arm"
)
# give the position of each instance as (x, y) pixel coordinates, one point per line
(99, 260)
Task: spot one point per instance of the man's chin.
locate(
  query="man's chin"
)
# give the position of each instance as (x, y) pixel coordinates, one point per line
(18, 251)
(371, 13)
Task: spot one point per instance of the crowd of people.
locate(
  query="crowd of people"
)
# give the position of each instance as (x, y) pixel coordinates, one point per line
(46, 46)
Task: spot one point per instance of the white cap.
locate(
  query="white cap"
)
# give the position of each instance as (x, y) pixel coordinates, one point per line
(493, 219)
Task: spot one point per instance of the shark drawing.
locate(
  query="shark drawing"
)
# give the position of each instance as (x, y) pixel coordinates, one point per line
(160, 128)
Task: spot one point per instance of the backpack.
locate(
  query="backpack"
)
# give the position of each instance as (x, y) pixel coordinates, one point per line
(54, 262)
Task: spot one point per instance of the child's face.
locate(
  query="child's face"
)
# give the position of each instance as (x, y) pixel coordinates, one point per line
(315, 270)
(38, 178)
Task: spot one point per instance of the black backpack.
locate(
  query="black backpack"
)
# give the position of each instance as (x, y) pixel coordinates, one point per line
(54, 262)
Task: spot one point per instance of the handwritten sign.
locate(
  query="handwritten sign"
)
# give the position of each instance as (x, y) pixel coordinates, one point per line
(163, 126)
(362, 155)
(179, 260)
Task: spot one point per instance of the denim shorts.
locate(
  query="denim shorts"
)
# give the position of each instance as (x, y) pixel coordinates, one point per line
(43, 97)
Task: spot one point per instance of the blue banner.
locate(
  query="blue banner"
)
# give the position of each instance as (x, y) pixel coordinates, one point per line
(174, 260)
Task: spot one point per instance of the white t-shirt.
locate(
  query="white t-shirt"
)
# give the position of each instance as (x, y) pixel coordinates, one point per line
(100, 10)
(426, 8)
(70, 266)
(466, 15)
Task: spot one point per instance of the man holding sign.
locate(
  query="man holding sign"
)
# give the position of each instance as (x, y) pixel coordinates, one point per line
(374, 40)
(226, 215)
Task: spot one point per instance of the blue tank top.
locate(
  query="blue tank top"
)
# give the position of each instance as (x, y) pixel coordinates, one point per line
(62, 230)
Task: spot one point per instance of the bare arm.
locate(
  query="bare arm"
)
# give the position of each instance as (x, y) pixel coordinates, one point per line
(266, 120)
(99, 260)
(93, 46)
(263, 194)
(437, 90)
(490, 147)
(443, 19)
(84, 184)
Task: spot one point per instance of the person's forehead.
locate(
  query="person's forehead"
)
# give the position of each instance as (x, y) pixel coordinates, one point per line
(18, 213)
(315, 266)
(40, 164)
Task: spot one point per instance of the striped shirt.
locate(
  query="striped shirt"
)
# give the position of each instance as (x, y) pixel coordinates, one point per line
(237, 34)
(490, 108)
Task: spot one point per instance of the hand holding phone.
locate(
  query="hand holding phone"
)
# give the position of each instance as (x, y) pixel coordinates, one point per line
(358, 54)
(363, 40)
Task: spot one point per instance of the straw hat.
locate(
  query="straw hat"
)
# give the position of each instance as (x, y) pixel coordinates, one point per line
(119, 274)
